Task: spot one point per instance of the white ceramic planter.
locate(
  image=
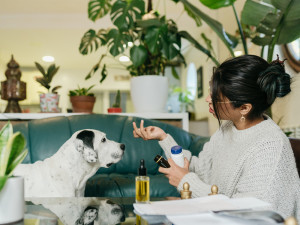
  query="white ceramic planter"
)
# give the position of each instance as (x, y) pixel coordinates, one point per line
(49, 103)
(12, 200)
(149, 93)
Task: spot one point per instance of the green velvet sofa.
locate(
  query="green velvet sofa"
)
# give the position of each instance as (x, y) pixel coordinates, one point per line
(45, 136)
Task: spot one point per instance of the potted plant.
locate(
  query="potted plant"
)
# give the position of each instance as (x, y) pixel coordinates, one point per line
(82, 99)
(116, 107)
(48, 101)
(153, 41)
(12, 152)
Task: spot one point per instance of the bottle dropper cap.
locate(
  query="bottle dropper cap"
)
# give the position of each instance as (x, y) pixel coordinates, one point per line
(142, 168)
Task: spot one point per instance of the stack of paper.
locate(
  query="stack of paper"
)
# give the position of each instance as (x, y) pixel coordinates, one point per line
(213, 203)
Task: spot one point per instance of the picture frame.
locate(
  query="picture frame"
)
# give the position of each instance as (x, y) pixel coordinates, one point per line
(200, 82)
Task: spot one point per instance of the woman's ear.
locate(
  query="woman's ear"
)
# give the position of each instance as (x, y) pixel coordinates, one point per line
(245, 109)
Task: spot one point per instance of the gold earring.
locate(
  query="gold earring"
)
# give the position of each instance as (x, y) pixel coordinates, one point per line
(243, 118)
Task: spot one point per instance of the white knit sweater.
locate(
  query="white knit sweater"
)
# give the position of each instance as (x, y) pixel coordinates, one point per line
(257, 162)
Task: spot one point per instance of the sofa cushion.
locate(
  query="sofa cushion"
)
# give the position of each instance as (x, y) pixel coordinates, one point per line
(105, 185)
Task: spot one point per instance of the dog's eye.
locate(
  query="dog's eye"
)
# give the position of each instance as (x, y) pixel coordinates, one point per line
(103, 140)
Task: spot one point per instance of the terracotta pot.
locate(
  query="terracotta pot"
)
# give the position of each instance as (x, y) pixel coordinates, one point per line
(114, 110)
(83, 104)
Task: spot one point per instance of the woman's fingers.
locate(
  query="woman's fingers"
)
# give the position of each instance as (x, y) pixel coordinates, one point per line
(143, 130)
(136, 131)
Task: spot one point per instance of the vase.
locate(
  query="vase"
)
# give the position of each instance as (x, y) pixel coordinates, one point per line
(12, 200)
(149, 93)
(83, 104)
(49, 103)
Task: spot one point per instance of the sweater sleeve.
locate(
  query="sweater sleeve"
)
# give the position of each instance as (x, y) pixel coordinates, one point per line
(200, 167)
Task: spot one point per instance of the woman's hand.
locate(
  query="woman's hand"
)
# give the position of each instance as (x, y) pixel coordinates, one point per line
(148, 133)
(175, 173)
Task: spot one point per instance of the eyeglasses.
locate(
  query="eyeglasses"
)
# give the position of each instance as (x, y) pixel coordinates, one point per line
(210, 93)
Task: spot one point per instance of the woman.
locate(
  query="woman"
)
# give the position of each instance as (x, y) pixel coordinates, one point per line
(249, 155)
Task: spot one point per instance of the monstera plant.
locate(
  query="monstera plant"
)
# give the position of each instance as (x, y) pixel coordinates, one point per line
(153, 41)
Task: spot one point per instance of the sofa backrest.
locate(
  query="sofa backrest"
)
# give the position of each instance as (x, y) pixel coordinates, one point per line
(45, 136)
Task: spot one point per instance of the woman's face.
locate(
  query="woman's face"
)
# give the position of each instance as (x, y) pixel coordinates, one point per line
(225, 108)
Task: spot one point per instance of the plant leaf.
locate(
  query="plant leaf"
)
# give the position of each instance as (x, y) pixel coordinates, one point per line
(197, 45)
(174, 73)
(124, 13)
(138, 55)
(152, 39)
(103, 73)
(116, 41)
(5, 135)
(40, 68)
(17, 145)
(281, 17)
(98, 9)
(216, 4)
(54, 89)
(213, 24)
(3, 180)
(91, 41)
(16, 162)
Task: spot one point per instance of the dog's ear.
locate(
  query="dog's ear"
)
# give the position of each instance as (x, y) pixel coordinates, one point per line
(87, 138)
(78, 145)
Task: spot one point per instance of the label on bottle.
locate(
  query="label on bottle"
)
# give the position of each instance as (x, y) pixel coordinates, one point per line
(177, 155)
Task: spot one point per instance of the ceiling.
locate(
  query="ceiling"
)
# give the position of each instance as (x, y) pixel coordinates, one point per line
(30, 29)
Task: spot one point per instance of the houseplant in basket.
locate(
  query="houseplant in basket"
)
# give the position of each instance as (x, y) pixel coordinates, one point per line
(116, 107)
(153, 42)
(82, 99)
(12, 152)
(48, 101)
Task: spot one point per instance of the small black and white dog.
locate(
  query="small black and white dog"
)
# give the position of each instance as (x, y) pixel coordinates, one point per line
(66, 172)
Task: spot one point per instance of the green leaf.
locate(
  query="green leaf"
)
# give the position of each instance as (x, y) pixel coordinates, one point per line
(103, 73)
(54, 89)
(98, 9)
(196, 18)
(116, 41)
(152, 39)
(91, 41)
(262, 41)
(124, 13)
(138, 55)
(281, 17)
(174, 73)
(16, 162)
(197, 45)
(40, 68)
(213, 24)
(17, 145)
(5, 136)
(290, 25)
(216, 4)
(3, 180)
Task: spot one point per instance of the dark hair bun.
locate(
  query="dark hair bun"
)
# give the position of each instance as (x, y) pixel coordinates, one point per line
(274, 81)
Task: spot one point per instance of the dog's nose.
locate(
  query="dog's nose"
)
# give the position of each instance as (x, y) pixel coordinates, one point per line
(122, 146)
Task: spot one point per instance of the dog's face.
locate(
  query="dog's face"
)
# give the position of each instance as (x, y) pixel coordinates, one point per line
(96, 148)
(110, 213)
(107, 213)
